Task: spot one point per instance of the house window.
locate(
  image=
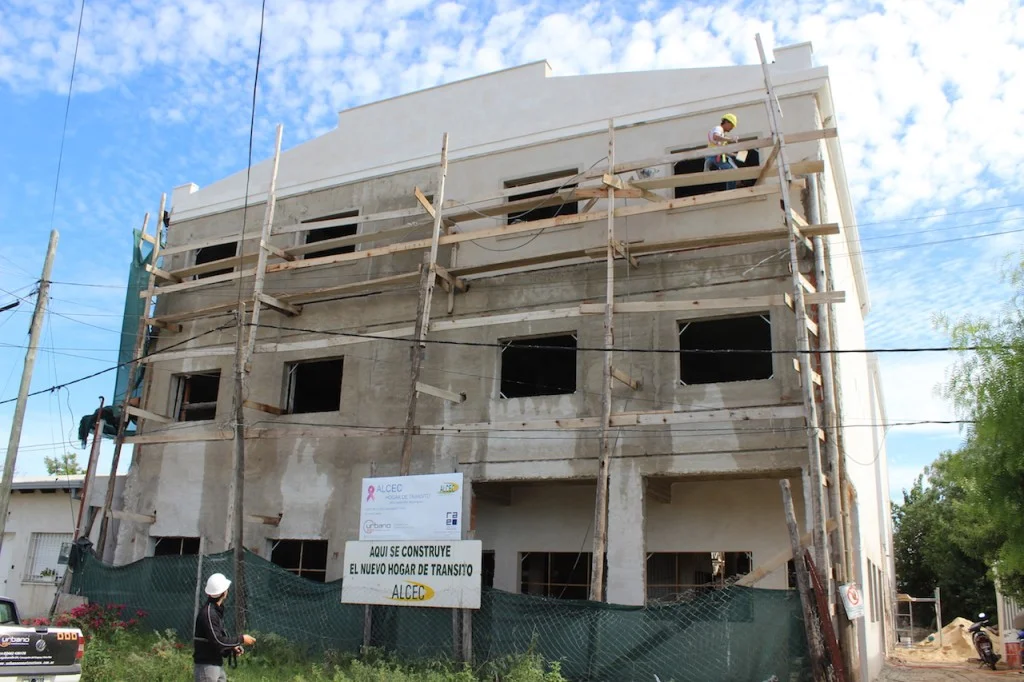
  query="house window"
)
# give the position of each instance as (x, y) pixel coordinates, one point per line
(543, 365)
(315, 386)
(196, 396)
(692, 166)
(44, 557)
(175, 546)
(325, 234)
(671, 575)
(562, 575)
(548, 209)
(487, 568)
(305, 558)
(209, 254)
(725, 335)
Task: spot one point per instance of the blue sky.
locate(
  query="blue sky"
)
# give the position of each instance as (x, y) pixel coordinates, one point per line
(930, 97)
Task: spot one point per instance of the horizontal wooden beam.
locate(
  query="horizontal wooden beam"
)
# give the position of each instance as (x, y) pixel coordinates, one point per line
(147, 237)
(623, 377)
(185, 434)
(264, 520)
(623, 250)
(146, 414)
(732, 303)
(273, 250)
(122, 515)
(281, 306)
(441, 393)
(658, 489)
(162, 274)
(172, 327)
(779, 560)
(229, 263)
(450, 280)
(204, 282)
(263, 407)
(719, 176)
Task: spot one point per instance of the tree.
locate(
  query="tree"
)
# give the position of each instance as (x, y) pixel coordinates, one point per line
(987, 388)
(926, 558)
(65, 465)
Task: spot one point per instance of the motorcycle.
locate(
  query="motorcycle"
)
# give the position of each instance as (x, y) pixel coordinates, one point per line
(983, 643)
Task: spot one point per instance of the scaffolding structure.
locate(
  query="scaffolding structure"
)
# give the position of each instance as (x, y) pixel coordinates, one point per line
(810, 302)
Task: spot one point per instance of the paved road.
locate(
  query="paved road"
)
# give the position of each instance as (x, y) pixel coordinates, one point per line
(949, 672)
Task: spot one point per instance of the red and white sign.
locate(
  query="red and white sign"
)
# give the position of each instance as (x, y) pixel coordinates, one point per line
(853, 600)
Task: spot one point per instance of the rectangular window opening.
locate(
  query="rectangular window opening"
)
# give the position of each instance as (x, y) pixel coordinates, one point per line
(209, 254)
(44, 557)
(323, 234)
(315, 386)
(561, 575)
(528, 370)
(675, 576)
(751, 158)
(196, 397)
(175, 546)
(305, 558)
(548, 209)
(708, 350)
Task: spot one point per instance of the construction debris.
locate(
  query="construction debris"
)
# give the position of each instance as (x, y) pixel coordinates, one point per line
(956, 644)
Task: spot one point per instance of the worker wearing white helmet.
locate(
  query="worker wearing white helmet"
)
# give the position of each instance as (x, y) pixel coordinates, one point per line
(211, 643)
(718, 137)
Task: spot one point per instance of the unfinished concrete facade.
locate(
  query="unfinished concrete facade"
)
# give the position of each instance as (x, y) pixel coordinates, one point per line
(513, 368)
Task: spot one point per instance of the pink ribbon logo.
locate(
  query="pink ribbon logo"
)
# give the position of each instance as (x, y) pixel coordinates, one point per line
(369, 494)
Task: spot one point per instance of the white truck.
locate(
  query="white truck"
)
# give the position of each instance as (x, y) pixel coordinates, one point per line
(37, 653)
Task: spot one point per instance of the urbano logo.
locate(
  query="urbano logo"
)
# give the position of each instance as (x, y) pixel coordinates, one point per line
(412, 591)
(13, 640)
(371, 526)
(449, 488)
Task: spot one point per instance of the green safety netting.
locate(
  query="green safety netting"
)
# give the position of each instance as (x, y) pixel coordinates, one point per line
(730, 634)
(134, 309)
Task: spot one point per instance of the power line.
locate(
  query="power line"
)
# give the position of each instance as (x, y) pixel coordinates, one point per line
(67, 110)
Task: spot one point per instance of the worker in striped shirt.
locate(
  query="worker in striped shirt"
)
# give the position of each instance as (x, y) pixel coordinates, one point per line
(719, 137)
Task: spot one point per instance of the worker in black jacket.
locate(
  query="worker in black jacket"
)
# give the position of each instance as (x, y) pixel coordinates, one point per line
(212, 644)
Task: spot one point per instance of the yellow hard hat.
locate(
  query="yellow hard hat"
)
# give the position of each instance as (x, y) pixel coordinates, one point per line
(731, 118)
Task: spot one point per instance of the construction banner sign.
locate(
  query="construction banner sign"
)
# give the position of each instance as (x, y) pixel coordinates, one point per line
(853, 600)
(431, 573)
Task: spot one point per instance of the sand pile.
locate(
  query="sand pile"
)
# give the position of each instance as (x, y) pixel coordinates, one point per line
(956, 644)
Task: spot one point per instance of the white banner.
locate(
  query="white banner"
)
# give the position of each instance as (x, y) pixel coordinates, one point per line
(438, 574)
(411, 508)
(853, 600)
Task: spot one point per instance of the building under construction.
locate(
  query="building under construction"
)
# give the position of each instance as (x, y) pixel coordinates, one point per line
(531, 280)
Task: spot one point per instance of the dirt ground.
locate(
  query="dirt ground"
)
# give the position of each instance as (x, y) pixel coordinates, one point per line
(943, 672)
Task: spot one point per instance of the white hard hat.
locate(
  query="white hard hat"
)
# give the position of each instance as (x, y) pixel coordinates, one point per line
(217, 585)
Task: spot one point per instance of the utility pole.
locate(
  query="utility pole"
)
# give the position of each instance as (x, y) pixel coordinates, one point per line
(84, 527)
(238, 483)
(26, 380)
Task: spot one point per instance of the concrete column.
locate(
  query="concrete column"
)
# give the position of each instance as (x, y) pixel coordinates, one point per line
(627, 560)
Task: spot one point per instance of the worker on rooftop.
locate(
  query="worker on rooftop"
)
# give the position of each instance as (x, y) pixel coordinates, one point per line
(719, 137)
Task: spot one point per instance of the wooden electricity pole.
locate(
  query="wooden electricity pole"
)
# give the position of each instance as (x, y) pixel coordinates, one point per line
(84, 525)
(26, 380)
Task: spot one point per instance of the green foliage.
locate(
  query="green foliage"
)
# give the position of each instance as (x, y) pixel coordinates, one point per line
(65, 465)
(987, 388)
(126, 656)
(923, 525)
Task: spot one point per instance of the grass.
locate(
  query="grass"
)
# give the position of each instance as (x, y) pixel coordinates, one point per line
(127, 655)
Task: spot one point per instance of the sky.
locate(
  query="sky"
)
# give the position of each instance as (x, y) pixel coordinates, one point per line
(929, 94)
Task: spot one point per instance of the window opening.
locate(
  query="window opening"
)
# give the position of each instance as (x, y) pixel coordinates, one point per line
(315, 386)
(176, 546)
(562, 575)
(547, 211)
(321, 234)
(209, 254)
(305, 558)
(530, 371)
(196, 398)
(749, 333)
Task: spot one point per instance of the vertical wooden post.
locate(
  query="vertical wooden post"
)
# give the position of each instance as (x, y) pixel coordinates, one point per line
(597, 591)
(427, 280)
(18, 419)
(133, 371)
(261, 260)
(803, 581)
(199, 581)
(236, 526)
(816, 502)
(84, 525)
(367, 609)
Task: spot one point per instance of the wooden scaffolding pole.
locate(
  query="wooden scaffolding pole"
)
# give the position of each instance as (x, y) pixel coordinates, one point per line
(816, 503)
(133, 373)
(597, 583)
(427, 281)
(261, 262)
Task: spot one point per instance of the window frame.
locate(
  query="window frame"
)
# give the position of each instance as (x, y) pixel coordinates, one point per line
(180, 540)
(549, 587)
(683, 324)
(300, 571)
(330, 250)
(679, 587)
(57, 540)
(213, 273)
(509, 342)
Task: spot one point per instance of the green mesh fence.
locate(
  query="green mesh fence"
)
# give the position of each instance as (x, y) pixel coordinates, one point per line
(729, 634)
